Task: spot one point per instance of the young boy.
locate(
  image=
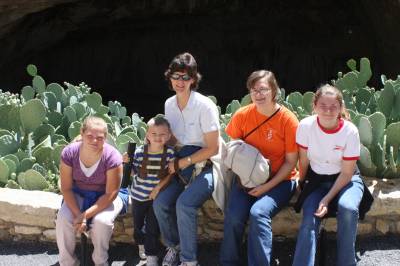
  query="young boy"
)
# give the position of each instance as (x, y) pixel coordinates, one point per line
(150, 169)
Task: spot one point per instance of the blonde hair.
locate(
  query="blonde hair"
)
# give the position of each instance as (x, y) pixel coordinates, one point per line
(94, 122)
(332, 91)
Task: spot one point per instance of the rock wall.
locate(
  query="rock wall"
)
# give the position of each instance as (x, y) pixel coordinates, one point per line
(30, 215)
(121, 48)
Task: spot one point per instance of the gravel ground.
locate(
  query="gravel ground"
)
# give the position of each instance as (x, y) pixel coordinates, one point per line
(371, 251)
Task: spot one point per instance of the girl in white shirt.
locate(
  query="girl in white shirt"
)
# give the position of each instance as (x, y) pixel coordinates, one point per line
(329, 147)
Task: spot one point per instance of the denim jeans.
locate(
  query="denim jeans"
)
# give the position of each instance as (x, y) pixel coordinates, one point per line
(176, 212)
(143, 216)
(240, 207)
(348, 201)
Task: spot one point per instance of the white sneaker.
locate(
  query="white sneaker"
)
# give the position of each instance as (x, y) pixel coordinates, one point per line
(141, 263)
(152, 261)
(171, 258)
(142, 252)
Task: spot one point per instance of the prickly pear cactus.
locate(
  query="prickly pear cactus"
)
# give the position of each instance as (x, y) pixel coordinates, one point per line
(32, 70)
(365, 163)
(365, 131)
(233, 107)
(308, 101)
(12, 184)
(94, 100)
(39, 84)
(32, 180)
(246, 100)
(4, 172)
(28, 93)
(393, 136)
(32, 114)
(378, 125)
(386, 99)
(74, 130)
(8, 144)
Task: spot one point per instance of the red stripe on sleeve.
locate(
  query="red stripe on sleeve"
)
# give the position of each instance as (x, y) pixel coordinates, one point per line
(351, 158)
(303, 147)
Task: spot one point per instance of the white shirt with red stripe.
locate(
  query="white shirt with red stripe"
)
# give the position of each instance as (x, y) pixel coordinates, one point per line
(326, 149)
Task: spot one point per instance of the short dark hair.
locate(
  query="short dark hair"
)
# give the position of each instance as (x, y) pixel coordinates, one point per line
(184, 62)
(159, 120)
(270, 79)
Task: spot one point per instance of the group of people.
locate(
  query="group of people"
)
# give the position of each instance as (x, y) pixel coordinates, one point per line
(173, 176)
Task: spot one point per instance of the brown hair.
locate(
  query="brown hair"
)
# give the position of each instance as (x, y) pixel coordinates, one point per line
(94, 121)
(269, 78)
(184, 62)
(332, 90)
(159, 120)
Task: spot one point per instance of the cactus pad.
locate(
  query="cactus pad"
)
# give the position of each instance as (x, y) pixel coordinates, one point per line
(32, 114)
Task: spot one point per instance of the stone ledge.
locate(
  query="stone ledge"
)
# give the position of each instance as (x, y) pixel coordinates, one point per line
(31, 215)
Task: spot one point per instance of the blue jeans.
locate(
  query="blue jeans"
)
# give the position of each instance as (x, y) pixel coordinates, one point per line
(176, 212)
(347, 217)
(261, 210)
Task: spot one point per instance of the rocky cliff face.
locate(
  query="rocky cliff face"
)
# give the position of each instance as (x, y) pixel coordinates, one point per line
(121, 48)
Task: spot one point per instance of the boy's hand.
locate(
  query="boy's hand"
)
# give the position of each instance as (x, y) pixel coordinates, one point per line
(154, 192)
(171, 167)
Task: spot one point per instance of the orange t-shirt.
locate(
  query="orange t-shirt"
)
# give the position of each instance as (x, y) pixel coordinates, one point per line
(273, 139)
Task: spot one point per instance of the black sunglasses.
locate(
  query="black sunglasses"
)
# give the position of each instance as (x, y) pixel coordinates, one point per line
(184, 77)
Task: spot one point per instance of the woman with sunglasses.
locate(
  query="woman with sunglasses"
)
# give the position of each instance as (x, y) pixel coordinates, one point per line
(275, 139)
(194, 123)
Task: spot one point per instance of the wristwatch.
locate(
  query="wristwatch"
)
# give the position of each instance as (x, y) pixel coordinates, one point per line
(189, 160)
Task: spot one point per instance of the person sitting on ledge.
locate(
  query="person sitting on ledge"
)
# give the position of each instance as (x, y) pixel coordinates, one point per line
(329, 149)
(90, 174)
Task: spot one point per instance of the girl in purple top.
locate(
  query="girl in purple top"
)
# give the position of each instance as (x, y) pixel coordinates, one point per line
(90, 174)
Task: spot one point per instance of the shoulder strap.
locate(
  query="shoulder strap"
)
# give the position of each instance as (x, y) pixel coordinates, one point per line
(162, 173)
(254, 129)
(143, 167)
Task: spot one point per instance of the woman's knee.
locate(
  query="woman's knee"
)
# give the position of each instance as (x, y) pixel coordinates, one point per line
(184, 206)
(64, 215)
(259, 213)
(347, 211)
(161, 205)
(103, 220)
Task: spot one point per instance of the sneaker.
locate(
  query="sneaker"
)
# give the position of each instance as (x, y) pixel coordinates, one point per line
(152, 261)
(142, 253)
(189, 263)
(141, 263)
(171, 258)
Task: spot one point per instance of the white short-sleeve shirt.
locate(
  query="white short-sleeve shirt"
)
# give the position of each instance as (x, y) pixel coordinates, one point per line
(199, 116)
(326, 149)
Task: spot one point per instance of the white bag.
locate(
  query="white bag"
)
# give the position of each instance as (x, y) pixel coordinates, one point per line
(247, 162)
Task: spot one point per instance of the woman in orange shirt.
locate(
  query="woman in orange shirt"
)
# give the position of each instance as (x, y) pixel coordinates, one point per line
(276, 140)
